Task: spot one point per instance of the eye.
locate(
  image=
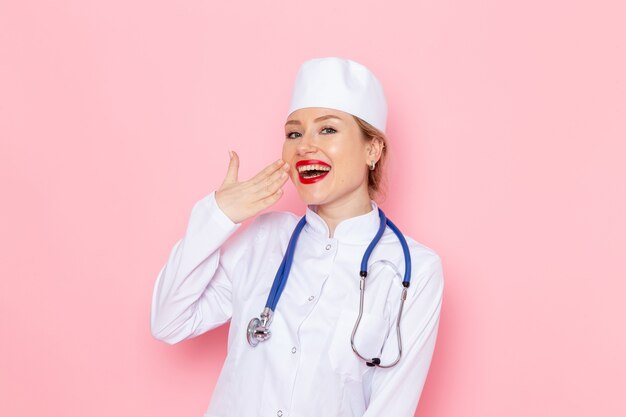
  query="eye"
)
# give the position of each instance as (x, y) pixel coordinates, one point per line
(329, 130)
(290, 135)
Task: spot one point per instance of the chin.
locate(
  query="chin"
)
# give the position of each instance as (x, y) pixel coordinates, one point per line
(310, 198)
(313, 194)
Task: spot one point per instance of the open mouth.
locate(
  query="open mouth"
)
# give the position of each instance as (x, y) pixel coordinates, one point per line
(310, 171)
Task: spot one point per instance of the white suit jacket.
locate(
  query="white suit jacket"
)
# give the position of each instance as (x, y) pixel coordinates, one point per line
(307, 368)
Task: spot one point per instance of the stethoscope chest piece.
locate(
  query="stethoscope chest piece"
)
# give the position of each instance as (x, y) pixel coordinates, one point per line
(258, 328)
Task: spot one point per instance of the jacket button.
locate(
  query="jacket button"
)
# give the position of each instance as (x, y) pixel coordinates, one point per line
(311, 298)
(293, 349)
(328, 247)
(279, 413)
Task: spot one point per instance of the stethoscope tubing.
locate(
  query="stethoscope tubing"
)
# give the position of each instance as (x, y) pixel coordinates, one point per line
(258, 330)
(283, 271)
(384, 221)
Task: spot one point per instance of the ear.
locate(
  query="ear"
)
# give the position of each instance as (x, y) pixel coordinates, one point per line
(374, 150)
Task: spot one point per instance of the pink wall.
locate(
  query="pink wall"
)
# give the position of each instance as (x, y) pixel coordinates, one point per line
(507, 127)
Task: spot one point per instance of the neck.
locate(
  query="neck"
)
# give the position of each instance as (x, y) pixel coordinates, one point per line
(337, 211)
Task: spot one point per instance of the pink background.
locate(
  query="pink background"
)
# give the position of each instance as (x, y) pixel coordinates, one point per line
(507, 135)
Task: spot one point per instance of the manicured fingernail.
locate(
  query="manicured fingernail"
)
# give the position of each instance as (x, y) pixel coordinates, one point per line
(230, 153)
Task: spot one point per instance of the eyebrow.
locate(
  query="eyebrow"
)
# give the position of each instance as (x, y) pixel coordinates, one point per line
(319, 119)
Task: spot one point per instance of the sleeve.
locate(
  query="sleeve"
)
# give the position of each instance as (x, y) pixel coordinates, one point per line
(193, 290)
(396, 391)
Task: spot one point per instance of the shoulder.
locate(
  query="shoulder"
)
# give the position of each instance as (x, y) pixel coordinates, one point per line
(278, 218)
(427, 281)
(426, 264)
(263, 233)
(422, 253)
(274, 223)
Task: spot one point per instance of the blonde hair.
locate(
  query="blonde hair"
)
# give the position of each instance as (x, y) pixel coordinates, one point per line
(376, 178)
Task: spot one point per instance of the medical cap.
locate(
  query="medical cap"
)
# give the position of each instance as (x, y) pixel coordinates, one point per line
(340, 84)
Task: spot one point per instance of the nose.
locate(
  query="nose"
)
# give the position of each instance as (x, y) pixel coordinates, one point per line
(306, 145)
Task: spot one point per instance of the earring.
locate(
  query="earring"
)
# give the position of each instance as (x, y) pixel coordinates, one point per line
(372, 165)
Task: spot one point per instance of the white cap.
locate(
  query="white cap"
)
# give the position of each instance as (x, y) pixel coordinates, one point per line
(340, 84)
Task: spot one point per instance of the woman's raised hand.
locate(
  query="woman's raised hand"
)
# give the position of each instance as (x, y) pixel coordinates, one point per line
(242, 200)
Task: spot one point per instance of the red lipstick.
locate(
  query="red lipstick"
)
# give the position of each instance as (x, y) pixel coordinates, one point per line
(312, 170)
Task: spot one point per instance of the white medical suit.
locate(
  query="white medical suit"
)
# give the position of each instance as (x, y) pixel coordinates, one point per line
(307, 368)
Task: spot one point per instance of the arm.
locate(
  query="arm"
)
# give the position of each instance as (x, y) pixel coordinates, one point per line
(396, 391)
(192, 293)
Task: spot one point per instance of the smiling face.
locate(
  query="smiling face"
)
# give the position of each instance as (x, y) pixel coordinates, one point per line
(328, 155)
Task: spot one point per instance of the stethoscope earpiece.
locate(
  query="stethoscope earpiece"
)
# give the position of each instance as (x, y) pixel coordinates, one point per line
(373, 362)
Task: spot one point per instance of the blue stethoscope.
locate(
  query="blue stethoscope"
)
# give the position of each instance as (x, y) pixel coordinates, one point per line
(258, 328)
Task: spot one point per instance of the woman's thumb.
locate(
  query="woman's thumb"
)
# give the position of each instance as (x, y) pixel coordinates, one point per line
(233, 168)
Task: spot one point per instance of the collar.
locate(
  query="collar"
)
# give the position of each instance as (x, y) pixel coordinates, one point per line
(358, 229)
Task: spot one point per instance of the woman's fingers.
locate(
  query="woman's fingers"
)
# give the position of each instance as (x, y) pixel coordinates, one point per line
(266, 172)
(277, 183)
(270, 199)
(242, 200)
(270, 184)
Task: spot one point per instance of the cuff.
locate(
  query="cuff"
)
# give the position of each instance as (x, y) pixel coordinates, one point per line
(217, 215)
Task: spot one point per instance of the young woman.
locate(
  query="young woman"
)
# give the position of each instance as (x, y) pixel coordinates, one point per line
(303, 356)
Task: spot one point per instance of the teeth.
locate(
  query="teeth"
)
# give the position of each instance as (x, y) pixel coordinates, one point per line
(315, 167)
